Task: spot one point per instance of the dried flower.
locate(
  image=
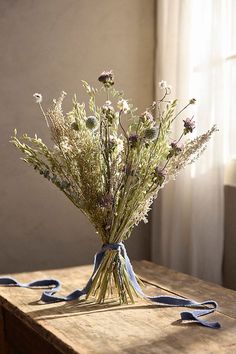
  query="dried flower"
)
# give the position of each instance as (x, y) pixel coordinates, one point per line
(123, 106)
(91, 123)
(109, 111)
(160, 174)
(115, 143)
(38, 97)
(146, 117)
(189, 125)
(164, 86)
(133, 140)
(107, 78)
(151, 133)
(107, 107)
(192, 101)
(175, 149)
(177, 146)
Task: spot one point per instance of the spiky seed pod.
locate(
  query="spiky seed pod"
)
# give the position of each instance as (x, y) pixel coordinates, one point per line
(151, 133)
(91, 123)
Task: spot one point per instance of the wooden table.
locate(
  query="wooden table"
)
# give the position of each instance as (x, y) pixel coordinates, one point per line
(28, 327)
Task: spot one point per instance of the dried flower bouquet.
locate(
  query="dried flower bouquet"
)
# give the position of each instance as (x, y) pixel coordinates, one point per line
(110, 172)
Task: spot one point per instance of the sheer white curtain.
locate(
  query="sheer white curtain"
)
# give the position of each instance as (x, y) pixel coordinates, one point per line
(194, 49)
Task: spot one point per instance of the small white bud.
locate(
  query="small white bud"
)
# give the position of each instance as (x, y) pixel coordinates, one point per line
(123, 106)
(164, 85)
(38, 97)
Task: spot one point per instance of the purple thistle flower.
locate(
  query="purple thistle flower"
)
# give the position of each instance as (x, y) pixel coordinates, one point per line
(176, 146)
(189, 125)
(175, 149)
(107, 78)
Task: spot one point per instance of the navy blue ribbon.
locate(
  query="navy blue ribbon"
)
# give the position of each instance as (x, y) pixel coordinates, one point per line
(49, 295)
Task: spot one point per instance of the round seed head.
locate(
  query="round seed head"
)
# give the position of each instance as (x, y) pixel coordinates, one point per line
(151, 133)
(91, 122)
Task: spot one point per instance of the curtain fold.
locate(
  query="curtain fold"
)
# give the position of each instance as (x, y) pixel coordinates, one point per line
(188, 234)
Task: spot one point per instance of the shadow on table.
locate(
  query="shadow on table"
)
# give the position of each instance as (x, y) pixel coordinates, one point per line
(75, 308)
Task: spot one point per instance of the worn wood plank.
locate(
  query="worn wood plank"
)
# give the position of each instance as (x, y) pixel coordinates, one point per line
(23, 338)
(188, 286)
(86, 328)
(2, 333)
(4, 347)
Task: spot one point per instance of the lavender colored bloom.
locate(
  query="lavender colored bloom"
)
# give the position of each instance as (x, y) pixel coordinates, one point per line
(189, 125)
(176, 146)
(175, 149)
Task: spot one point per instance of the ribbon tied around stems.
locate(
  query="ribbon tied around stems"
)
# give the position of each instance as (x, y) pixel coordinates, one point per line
(54, 285)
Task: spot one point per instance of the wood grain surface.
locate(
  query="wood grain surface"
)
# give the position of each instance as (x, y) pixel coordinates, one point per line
(79, 327)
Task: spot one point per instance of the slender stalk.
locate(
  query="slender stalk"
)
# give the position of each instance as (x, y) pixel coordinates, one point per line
(44, 114)
(112, 267)
(180, 112)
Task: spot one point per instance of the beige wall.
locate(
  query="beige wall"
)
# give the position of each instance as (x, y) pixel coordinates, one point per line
(47, 46)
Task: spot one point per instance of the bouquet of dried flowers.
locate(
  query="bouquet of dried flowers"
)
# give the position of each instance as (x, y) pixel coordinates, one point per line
(111, 161)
